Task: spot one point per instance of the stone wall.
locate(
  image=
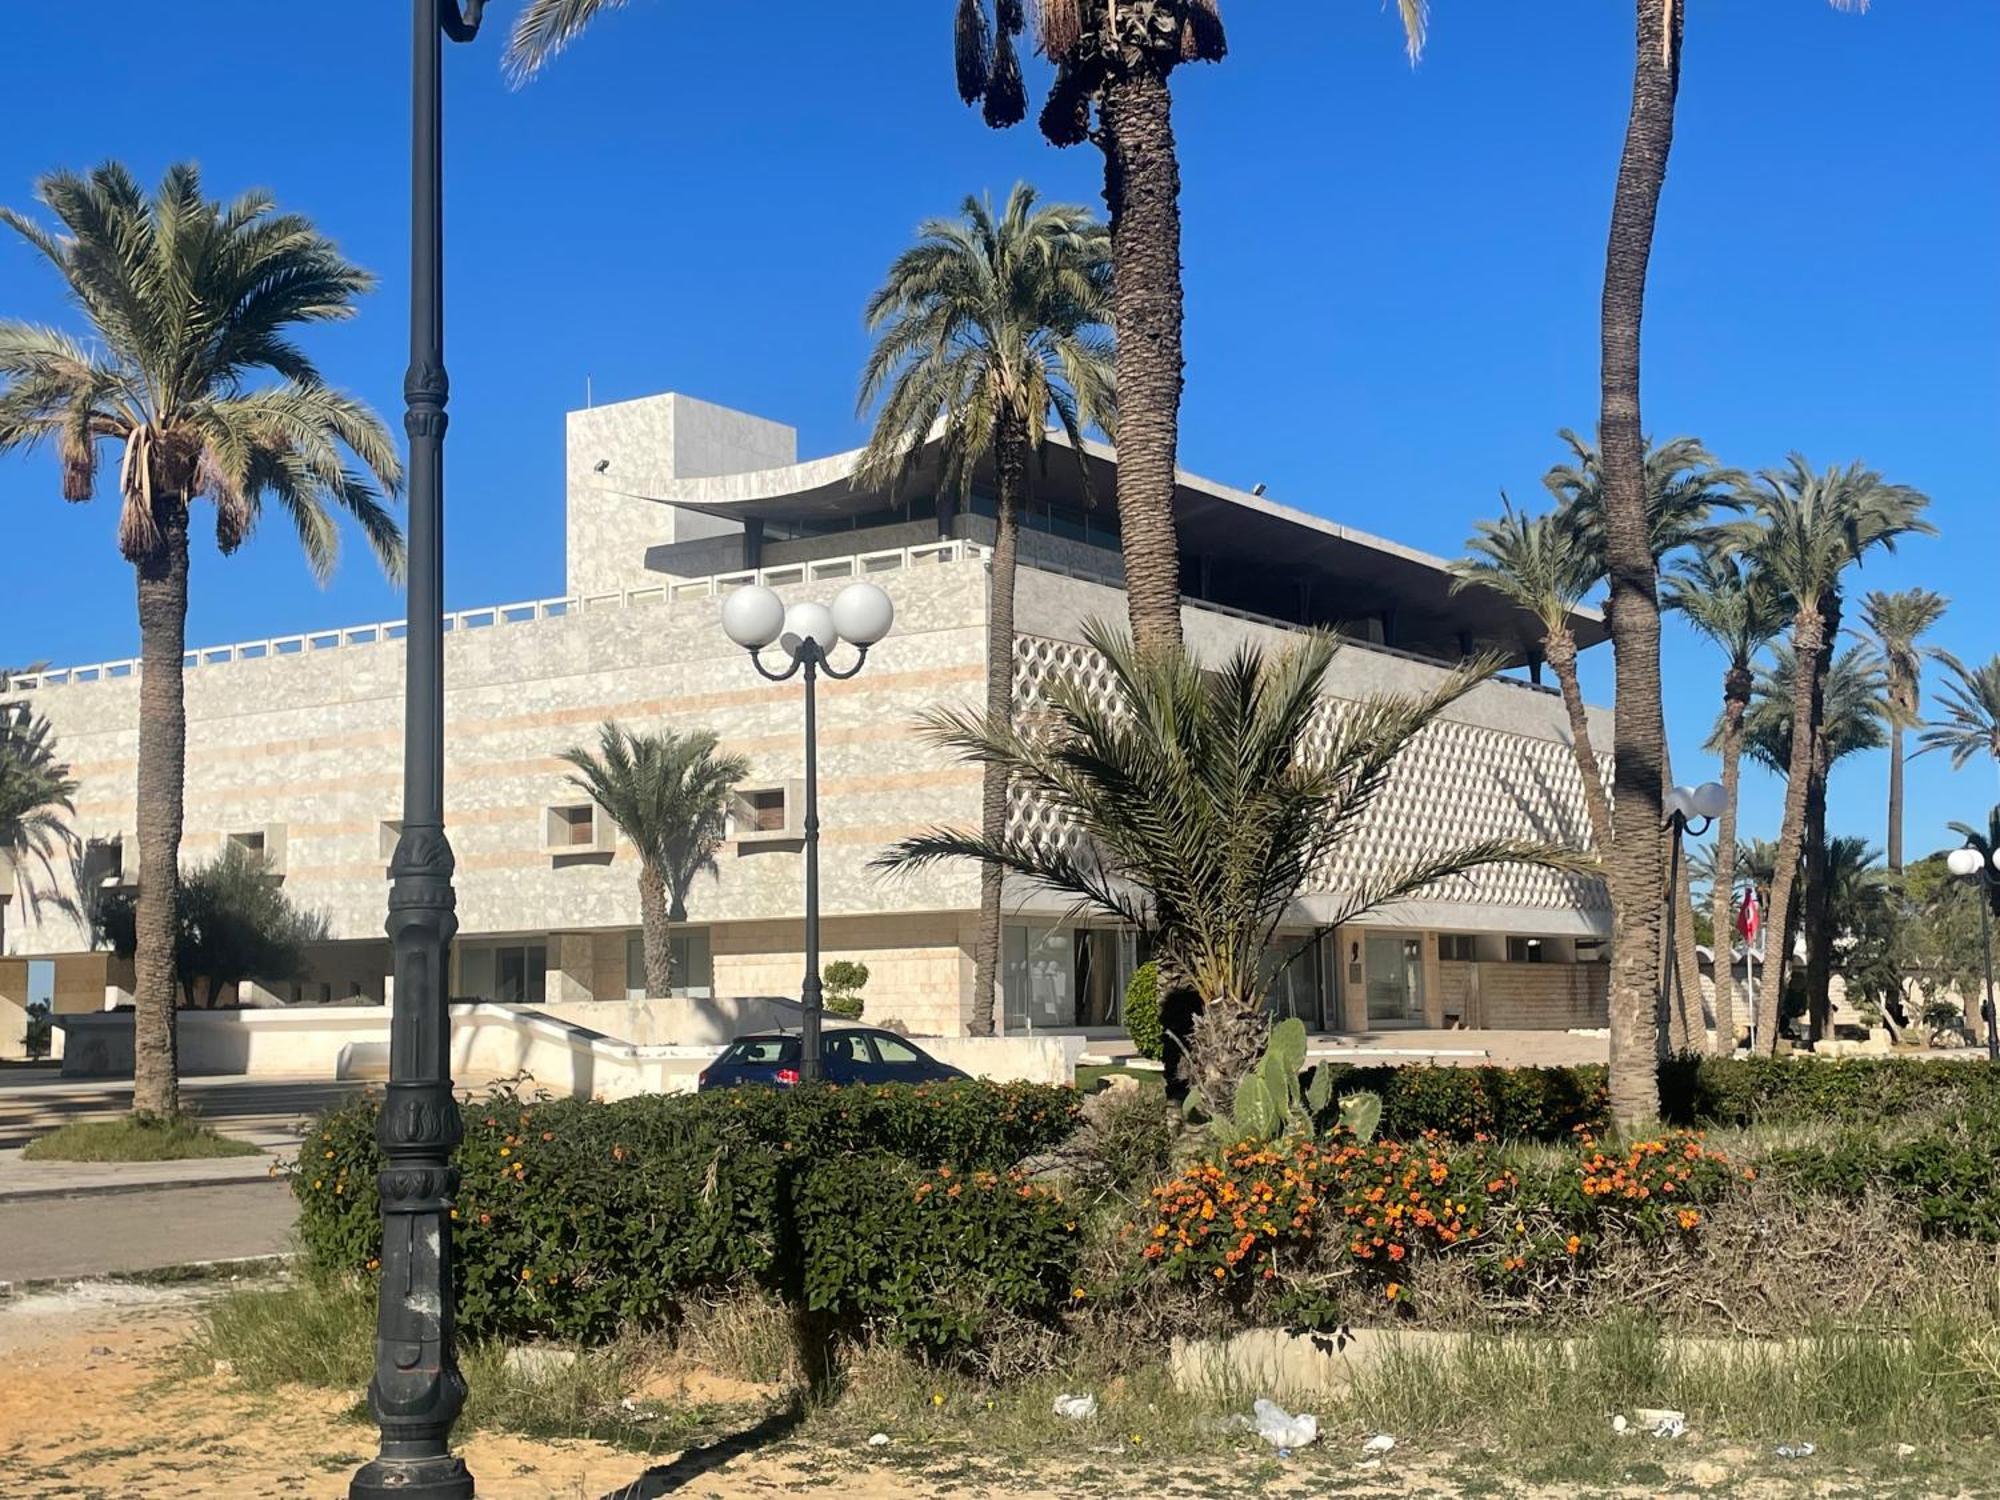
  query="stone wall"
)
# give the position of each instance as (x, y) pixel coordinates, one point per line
(309, 746)
(1527, 997)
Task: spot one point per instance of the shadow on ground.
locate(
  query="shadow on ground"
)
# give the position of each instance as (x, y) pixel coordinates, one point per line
(665, 1479)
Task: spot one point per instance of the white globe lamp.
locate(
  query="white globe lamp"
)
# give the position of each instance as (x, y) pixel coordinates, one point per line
(862, 614)
(753, 617)
(807, 622)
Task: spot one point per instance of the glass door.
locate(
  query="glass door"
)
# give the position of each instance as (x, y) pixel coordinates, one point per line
(1395, 981)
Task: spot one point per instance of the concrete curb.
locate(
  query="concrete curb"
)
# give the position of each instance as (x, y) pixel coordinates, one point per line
(255, 1170)
(187, 1273)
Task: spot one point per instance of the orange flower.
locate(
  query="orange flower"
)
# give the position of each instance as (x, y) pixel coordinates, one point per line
(1689, 1218)
(1395, 1290)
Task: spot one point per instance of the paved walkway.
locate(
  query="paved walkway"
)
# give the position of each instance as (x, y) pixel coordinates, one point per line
(62, 1219)
(265, 1111)
(144, 1230)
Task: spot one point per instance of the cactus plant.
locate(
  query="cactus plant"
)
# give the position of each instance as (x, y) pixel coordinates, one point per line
(1361, 1115)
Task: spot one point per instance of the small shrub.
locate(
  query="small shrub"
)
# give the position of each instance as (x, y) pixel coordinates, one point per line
(576, 1218)
(1130, 1133)
(844, 979)
(134, 1138)
(1142, 1012)
(926, 1257)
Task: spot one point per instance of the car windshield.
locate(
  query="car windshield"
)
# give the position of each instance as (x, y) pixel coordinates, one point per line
(766, 1050)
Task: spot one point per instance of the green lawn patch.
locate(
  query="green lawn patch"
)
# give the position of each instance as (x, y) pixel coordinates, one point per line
(1089, 1079)
(134, 1138)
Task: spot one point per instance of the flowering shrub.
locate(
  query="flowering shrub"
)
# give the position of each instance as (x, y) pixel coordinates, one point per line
(1261, 1213)
(1241, 1215)
(575, 1218)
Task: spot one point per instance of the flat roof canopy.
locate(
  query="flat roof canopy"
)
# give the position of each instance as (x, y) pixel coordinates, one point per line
(1238, 549)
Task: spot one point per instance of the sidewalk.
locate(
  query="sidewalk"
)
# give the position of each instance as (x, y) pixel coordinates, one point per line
(26, 1180)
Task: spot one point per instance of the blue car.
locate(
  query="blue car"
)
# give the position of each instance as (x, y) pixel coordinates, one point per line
(848, 1054)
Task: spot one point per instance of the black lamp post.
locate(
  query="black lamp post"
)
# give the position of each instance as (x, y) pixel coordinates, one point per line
(417, 1390)
(754, 618)
(1687, 805)
(1972, 863)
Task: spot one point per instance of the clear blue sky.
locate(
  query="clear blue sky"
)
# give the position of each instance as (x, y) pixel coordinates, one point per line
(1392, 274)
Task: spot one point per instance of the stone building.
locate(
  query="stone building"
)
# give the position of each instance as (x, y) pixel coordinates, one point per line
(294, 749)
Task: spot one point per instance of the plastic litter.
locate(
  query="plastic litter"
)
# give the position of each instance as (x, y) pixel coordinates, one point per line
(1906, 1450)
(1380, 1443)
(1661, 1421)
(879, 1440)
(1281, 1429)
(1076, 1408)
(1796, 1450)
(1619, 1425)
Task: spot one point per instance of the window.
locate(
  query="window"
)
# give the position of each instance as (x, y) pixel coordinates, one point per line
(765, 1050)
(764, 811)
(694, 965)
(511, 973)
(104, 861)
(1525, 951)
(889, 1050)
(571, 828)
(1457, 947)
(266, 845)
(767, 814)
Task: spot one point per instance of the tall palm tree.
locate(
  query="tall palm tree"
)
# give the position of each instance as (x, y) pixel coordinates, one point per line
(1895, 622)
(187, 300)
(1197, 810)
(668, 793)
(1538, 563)
(1971, 725)
(1684, 487)
(1117, 57)
(36, 797)
(1737, 609)
(1805, 530)
(1639, 733)
(985, 331)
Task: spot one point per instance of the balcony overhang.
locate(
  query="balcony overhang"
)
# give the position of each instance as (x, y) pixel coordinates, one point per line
(1237, 547)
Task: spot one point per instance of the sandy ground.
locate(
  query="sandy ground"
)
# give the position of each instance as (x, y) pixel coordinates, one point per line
(86, 1410)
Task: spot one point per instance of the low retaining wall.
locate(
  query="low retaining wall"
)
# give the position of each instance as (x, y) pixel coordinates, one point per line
(352, 1042)
(565, 1049)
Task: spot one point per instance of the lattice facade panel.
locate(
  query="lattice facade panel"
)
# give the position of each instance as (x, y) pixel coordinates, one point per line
(1455, 783)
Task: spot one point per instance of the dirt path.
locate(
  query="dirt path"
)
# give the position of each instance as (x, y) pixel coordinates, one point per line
(87, 1410)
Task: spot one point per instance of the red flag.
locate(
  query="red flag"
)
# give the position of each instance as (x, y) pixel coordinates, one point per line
(1749, 916)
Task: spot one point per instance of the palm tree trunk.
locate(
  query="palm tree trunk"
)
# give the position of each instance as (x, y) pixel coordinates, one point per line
(1721, 900)
(1819, 890)
(1142, 186)
(162, 783)
(1640, 733)
(1808, 642)
(1685, 1021)
(656, 933)
(1560, 652)
(1011, 465)
(1818, 904)
(1896, 787)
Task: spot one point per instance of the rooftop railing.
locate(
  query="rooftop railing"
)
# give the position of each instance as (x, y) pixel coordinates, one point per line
(529, 611)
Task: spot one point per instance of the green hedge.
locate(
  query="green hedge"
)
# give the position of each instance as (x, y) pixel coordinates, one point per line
(576, 1218)
(1551, 1104)
(1851, 1090)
